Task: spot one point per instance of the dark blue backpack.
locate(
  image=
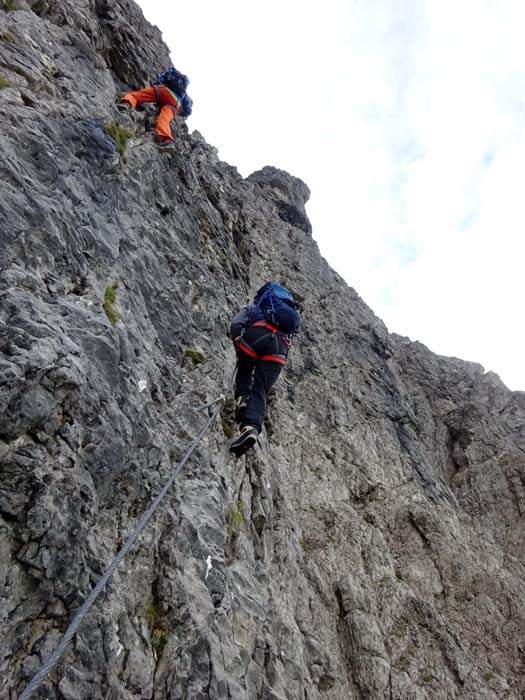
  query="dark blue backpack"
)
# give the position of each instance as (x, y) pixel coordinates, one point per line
(274, 304)
(174, 80)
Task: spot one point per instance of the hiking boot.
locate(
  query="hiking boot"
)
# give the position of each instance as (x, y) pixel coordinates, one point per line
(240, 406)
(246, 439)
(166, 145)
(123, 106)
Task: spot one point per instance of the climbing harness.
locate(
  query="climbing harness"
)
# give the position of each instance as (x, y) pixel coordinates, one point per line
(249, 350)
(271, 328)
(159, 104)
(139, 527)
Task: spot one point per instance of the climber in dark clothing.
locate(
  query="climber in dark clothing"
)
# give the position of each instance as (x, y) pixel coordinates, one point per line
(261, 333)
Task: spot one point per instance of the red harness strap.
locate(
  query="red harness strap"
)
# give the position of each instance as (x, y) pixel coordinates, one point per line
(241, 345)
(251, 353)
(281, 359)
(263, 324)
(274, 358)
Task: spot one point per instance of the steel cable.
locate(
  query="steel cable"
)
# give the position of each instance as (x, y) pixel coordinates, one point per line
(84, 609)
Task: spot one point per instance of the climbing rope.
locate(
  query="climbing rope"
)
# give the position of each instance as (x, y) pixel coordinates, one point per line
(139, 527)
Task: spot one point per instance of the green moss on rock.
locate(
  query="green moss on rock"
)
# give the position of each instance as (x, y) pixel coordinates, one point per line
(120, 136)
(196, 356)
(234, 518)
(110, 298)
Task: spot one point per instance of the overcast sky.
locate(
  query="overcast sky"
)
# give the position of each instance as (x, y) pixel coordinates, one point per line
(406, 120)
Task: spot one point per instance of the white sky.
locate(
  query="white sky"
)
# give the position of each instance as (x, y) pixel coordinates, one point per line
(406, 119)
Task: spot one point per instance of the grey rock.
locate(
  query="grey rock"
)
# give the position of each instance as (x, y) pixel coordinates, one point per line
(378, 548)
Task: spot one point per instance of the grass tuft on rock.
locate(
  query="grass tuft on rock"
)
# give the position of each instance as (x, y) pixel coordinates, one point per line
(110, 298)
(9, 6)
(159, 635)
(404, 663)
(120, 136)
(159, 639)
(228, 429)
(4, 83)
(153, 613)
(400, 631)
(8, 38)
(196, 356)
(234, 518)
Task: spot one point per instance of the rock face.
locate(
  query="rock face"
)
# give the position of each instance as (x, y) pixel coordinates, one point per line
(371, 548)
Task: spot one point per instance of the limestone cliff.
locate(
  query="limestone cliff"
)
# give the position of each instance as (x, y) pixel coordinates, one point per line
(371, 548)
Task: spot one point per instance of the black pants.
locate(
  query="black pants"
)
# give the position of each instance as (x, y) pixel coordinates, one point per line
(256, 377)
(254, 380)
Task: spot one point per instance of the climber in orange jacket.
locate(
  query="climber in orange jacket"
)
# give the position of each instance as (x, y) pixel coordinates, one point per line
(169, 93)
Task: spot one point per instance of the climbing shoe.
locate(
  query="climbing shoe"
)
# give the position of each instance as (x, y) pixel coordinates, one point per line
(123, 106)
(240, 406)
(246, 439)
(166, 145)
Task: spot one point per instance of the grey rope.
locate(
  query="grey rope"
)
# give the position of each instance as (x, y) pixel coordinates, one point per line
(83, 610)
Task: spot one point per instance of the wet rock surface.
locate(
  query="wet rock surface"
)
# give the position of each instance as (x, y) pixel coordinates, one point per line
(370, 548)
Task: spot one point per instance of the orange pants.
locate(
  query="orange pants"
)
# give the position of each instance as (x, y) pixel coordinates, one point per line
(168, 111)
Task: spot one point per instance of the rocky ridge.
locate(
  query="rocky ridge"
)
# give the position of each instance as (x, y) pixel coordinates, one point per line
(371, 548)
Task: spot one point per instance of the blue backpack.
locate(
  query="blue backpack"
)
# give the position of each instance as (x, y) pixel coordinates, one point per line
(174, 80)
(274, 304)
